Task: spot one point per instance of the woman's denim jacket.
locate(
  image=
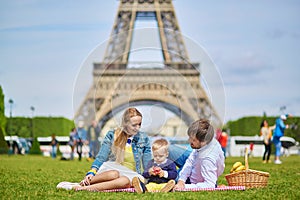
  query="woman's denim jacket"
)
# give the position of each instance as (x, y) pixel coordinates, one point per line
(140, 147)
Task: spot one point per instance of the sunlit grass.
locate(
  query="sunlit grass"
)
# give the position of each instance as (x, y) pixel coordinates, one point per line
(36, 177)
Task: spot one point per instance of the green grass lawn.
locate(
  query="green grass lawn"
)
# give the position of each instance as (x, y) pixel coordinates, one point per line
(36, 177)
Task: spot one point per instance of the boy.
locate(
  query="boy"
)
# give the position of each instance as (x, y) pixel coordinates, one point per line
(160, 171)
(206, 162)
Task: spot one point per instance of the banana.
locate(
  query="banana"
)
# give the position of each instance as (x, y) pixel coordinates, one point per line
(231, 170)
(240, 168)
(236, 165)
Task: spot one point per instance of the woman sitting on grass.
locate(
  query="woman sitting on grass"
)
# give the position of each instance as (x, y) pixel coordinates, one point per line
(125, 151)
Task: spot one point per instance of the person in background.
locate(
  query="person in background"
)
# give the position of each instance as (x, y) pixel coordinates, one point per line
(54, 146)
(223, 139)
(92, 137)
(206, 162)
(161, 172)
(266, 133)
(72, 142)
(251, 148)
(277, 134)
(81, 139)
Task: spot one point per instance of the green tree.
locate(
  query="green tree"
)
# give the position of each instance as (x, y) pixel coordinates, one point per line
(2, 108)
(3, 144)
(35, 149)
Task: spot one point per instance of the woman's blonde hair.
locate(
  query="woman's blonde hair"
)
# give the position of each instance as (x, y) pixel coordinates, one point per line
(121, 136)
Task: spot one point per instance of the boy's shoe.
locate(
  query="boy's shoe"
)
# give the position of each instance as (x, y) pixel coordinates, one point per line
(138, 185)
(169, 186)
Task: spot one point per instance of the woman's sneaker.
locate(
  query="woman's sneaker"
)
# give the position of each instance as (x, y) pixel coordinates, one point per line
(169, 186)
(138, 185)
(67, 185)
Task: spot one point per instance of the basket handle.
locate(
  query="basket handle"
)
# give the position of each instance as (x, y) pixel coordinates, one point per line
(246, 159)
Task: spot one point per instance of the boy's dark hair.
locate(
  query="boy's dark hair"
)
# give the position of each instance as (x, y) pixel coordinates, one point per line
(202, 130)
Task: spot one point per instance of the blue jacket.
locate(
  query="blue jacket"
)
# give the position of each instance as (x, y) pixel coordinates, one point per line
(140, 146)
(278, 131)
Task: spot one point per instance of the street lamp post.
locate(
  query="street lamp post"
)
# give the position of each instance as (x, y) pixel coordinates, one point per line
(32, 114)
(282, 109)
(11, 102)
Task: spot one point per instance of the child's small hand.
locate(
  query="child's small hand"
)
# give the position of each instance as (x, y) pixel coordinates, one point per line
(151, 171)
(154, 171)
(161, 173)
(157, 170)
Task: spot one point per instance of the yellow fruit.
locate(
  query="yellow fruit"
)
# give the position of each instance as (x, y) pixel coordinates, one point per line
(232, 170)
(240, 168)
(236, 165)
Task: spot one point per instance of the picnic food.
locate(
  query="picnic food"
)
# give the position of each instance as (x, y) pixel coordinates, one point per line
(243, 176)
(156, 170)
(240, 168)
(235, 166)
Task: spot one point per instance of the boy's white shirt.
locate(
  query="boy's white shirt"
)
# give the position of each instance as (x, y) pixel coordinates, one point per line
(204, 166)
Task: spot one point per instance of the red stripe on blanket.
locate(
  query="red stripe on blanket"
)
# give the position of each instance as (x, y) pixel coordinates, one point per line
(211, 189)
(120, 190)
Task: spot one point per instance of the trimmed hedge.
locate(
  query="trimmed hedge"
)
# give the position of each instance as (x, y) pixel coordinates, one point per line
(39, 126)
(250, 126)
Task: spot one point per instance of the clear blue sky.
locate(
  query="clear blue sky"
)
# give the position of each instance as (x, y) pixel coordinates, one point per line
(254, 44)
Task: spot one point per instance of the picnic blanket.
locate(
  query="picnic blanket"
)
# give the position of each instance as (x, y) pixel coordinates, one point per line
(224, 188)
(69, 186)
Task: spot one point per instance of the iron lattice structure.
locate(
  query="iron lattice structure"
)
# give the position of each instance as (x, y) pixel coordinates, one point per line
(176, 86)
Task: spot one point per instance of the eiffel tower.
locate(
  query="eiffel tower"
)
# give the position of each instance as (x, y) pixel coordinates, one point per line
(175, 86)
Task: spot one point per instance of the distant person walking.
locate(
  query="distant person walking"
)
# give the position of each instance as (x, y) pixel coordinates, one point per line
(277, 134)
(93, 139)
(72, 142)
(81, 139)
(54, 145)
(223, 139)
(266, 133)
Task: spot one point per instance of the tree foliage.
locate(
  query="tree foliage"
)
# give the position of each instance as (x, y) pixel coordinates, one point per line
(2, 108)
(35, 149)
(3, 145)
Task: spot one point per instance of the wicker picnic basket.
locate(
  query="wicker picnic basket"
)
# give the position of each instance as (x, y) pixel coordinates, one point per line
(248, 178)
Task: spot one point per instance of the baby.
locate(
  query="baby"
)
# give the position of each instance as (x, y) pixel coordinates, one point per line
(160, 171)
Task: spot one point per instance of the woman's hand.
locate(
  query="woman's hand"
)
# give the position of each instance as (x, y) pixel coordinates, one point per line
(87, 180)
(180, 185)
